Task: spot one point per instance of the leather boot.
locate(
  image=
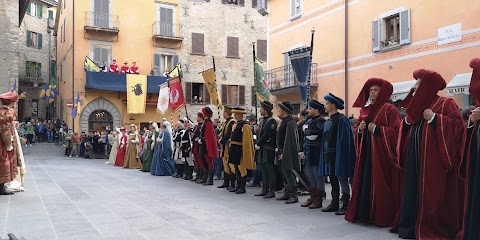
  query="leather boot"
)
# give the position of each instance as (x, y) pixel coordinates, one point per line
(235, 188)
(264, 191)
(177, 168)
(226, 181)
(204, 177)
(311, 198)
(233, 180)
(185, 170)
(317, 201)
(4, 190)
(200, 174)
(190, 173)
(209, 178)
(271, 191)
(286, 194)
(241, 189)
(194, 179)
(334, 205)
(293, 196)
(345, 201)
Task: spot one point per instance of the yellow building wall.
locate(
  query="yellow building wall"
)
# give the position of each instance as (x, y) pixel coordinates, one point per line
(134, 42)
(327, 17)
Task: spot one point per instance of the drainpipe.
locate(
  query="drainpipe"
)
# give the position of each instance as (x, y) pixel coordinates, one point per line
(346, 58)
(73, 59)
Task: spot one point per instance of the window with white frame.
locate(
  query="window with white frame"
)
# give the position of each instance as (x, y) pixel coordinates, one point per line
(391, 30)
(296, 8)
(101, 54)
(166, 26)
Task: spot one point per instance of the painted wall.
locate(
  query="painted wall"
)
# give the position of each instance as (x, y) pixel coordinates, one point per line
(327, 17)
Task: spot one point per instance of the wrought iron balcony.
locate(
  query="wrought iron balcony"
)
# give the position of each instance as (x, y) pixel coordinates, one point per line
(284, 77)
(101, 22)
(166, 31)
(32, 76)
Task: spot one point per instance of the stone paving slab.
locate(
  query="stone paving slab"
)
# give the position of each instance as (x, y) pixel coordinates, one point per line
(84, 199)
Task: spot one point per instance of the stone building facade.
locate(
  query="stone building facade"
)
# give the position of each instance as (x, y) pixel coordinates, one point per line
(9, 12)
(225, 30)
(36, 54)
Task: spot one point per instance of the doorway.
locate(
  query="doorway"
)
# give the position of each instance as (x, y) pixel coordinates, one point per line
(100, 120)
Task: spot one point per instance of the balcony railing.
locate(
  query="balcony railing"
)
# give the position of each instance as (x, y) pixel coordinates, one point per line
(284, 76)
(32, 76)
(101, 21)
(168, 31)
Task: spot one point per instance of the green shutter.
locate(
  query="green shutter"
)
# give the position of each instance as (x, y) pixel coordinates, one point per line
(28, 9)
(40, 10)
(27, 67)
(39, 40)
(28, 38)
(50, 14)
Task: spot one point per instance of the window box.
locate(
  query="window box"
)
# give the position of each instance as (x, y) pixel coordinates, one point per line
(391, 32)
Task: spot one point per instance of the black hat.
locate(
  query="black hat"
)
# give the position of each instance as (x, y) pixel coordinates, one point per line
(317, 105)
(239, 110)
(339, 103)
(207, 112)
(285, 106)
(267, 105)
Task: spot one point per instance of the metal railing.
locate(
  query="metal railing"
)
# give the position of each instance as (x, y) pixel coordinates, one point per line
(33, 74)
(101, 20)
(284, 76)
(165, 29)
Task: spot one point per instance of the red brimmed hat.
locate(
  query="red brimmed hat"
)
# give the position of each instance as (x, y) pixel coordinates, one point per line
(9, 97)
(386, 89)
(207, 112)
(475, 82)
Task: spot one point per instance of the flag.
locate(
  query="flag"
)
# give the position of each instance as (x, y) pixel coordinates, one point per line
(177, 71)
(163, 98)
(176, 94)
(14, 88)
(210, 79)
(262, 91)
(136, 93)
(23, 95)
(43, 92)
(52, 93)
(90, 66)
(75, 106)
(301, 60)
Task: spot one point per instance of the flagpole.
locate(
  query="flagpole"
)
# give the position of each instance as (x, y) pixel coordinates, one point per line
(310, 65)
(255, 83)
(214, 70)
(183, 94)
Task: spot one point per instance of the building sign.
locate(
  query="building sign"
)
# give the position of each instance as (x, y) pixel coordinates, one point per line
(449, 34)
(458, 90)
(34, 108)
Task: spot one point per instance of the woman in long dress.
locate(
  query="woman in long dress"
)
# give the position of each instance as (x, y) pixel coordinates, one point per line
(149, 147)
(132, 157)
(165, 165)
(113, 151)
(122, 145)
(157, 167)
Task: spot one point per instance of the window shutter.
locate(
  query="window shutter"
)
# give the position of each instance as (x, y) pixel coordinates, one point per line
(104, 55)
(27, 68)
(157, 60)
(39, 41)
(175, 61)
(169, 22)
(262, 49)
(241, 92)
(40, 10)
(28, 9)
(225, 94)
(206, 95)
(50, 14)
(188, 92)
(376, 30)
(254, 3)
(253, 96)
(292, 7)
(232, 47)
(241, 3)
(64, 27)
(405, 27)
(28, 37)
(97, 52)
(198, 43)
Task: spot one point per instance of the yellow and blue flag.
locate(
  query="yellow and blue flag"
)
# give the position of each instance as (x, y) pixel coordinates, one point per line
(90, 66)
(210, 78)
(136, 93)
(75, 106)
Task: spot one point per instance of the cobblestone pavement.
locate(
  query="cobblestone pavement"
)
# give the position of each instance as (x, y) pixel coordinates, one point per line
(83, 199)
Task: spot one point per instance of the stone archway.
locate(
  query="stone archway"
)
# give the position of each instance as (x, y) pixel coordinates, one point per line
(100, 104)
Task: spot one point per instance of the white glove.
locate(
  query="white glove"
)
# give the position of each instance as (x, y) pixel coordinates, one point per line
(257, 147)
(10, 148)
(304, 127)
(254, 137)
(276, 149)
(312, 137)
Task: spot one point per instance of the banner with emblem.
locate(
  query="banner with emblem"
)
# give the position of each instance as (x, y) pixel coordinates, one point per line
(163, 97)
(301, 60)
(136, 93)
(176, 99)
(263, 93)
(210, 79)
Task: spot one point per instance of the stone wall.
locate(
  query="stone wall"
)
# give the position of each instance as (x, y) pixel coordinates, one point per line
(8, 44)
(218, 21)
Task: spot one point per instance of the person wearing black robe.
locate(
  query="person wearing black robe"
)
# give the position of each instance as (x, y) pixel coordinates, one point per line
(224, 140)
(186, 148)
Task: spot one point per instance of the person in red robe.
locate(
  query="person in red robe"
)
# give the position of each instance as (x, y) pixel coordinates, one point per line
(208, 145)
(134, 68)
(125, 69)
(428, 150)
(122, 148)
(469, 170)
(9, 148)
(200, 169)
(113, 67)
(376, 182)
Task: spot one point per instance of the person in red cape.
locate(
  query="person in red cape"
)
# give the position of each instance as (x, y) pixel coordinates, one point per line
(208, 145)
(200, 168)
(428, 150)
(113, 67)
(122, 148)
(134, 68)
(125, 69)
(376, 182)
(9, 149)
(469, 170)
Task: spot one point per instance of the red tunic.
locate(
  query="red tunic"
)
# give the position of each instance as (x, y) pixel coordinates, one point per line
(113, 68)
(439, 191)
(125, 69)
(120, 159)
(385, 183)
(134, 70)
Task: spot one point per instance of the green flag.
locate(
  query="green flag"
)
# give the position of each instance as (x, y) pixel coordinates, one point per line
(261, 85)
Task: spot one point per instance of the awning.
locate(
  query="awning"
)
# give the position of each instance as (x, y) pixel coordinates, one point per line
(118, 82)
(401, 90)
(459, 85)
